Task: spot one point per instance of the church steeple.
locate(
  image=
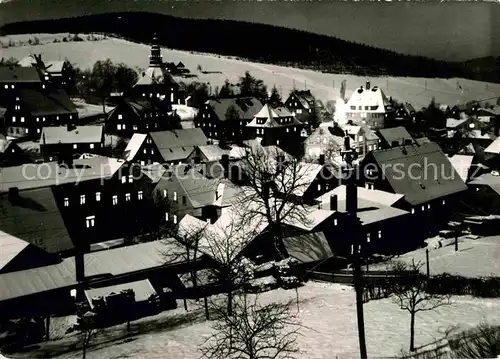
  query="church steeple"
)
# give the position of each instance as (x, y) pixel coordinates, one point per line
(155, 59)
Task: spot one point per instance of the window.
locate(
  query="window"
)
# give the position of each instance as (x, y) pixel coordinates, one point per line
(335, 222)
(38, 119)
(360, 138)
(70, 117)
(295, 129)
(152, 151)
(175, 219)
(115, 200)
(82, 199)
(11, 86)
(379, 234)
(90, 221)
(287, 130)
(27, 130)
(444, 202)
(139, 195)
(164, 193)
(119, 126)
(184, 200)
(175, 196)
(127, 197)
(66, 202)
(43, 119)
(369, 185)
(130, 178)
(6, 86)
(319, 186)
(37, 130)
(13, 118)
(124, 179)
(166, 216)
(145, 151)
(75, 146)
(57, 118)
(98, 196)
(413, 211)
(91, 146)
(423, 208)
(368, 237)
(148, 140)
(135, 127)
(120, 117)
(18, 107)
(429, 206)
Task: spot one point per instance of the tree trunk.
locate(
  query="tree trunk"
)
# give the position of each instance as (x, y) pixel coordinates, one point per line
(230, 301)
(412, 331)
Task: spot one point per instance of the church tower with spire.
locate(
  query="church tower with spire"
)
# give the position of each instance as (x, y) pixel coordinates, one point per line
(155, 58)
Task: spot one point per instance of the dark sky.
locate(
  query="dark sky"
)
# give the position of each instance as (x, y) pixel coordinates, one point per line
(449, 31)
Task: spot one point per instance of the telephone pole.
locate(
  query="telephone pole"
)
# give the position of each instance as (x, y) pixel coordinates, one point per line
(352, 208)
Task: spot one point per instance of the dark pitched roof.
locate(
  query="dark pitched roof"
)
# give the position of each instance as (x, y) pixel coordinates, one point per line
(398, 134)
(35, 218)
(13, 74)
(422, 173)
(177, 145)
(247, 107)
(41, 102)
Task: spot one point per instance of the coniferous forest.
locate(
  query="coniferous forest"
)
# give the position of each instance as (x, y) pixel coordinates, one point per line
(262, 43)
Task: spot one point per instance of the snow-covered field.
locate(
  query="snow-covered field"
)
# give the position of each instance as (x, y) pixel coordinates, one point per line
(324, 86)
(327, 311)
(475, 258)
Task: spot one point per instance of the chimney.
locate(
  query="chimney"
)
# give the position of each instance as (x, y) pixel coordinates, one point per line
(13, 195)
(225, 165)
(367, 85)
(394, 143)
(79, 265)
(322, 159)
(333, 202)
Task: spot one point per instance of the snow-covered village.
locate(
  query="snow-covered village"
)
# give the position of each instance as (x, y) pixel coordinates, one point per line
(179, 194)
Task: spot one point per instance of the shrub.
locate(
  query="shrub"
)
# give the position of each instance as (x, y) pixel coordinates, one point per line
(486, 287)
(483, 342)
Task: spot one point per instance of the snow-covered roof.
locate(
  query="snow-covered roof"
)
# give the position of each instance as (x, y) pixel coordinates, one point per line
(370, 100)
(462, 164)
(134, 145)
(373, 195)
(494, 147)
(453, 123)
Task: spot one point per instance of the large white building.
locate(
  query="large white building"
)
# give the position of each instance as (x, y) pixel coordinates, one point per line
(368, 107)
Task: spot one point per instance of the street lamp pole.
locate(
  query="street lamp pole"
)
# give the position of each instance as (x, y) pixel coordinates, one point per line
(349, 156)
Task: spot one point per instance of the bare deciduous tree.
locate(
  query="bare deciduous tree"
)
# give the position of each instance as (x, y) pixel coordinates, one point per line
(88, 330)
(256, 331)
(274, 184)
(410, 293)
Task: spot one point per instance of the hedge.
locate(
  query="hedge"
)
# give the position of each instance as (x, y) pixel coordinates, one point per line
(486, 287)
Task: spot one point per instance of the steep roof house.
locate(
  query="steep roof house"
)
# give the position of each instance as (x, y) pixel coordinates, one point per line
(9, 152)
(190, 192)
(303, 105)
(364, 138)
(368, 107)
(70, 139)
(89, 194)
(393, 137)
(156, 81)
(379, 217)
(423, 174)
(226, 118)
(405, 112)
(140, 116)
(165, 147)
(16, 78)
(325, 141)
(34, 109)
(276, 126)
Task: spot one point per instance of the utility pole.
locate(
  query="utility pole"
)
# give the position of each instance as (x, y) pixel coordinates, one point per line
(305, 85)
(352, 208)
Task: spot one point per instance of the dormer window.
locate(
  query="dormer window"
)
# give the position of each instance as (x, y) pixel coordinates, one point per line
(66, 202)
(120, 117)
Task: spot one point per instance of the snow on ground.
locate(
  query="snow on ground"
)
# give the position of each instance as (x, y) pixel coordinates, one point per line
(479, 257)
(327, 311)
(418, 91)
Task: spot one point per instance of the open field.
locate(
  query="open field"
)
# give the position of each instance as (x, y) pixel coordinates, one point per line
(475, 258)
(326, 310)
(324, 86)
